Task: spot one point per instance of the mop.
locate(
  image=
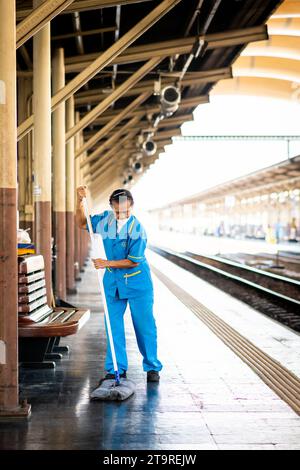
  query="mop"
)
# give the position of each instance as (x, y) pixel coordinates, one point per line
(117, 388)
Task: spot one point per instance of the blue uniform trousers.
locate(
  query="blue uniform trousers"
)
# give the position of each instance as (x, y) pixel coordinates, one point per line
(145, 330)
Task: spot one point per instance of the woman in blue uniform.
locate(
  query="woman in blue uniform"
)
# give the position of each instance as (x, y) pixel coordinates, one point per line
(127, 279)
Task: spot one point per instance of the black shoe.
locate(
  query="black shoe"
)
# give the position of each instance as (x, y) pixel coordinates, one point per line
(152, 376)
(111, 377)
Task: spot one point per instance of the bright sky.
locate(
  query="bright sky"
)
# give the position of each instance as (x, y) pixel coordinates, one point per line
(189, 167)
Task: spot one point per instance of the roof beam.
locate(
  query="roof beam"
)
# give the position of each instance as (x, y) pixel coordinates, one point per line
(112, 123)
(136, 53)
(148, 109)
(162, 135)
(126, 112)
(176, 120)
(96, 168)
(108, 167)
(175, 46)
(112, 139)
(115, 95)
(90, 32)
(104, 59)
(164, 48)
(37, 19)
(110, 182)
(83, 5)
(191, 78)
(119, 146)
(101, 194)
(110, 171)
(166, 124)
(160, 142)
(112, 167)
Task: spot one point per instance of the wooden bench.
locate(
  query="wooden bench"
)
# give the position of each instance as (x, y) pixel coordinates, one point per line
(40, 326)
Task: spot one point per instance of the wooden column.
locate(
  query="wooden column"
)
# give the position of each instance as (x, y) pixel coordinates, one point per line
(25, 198)
(70, 196)
(82, 257)
(59, 176)
(42, 148)
(9, 393)
(77, 231)
(82, 234)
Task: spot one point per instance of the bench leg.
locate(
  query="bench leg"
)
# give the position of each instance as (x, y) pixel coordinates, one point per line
(60, 349)
(50, 354)
(38, 365)
(53, 356)
(32, 353)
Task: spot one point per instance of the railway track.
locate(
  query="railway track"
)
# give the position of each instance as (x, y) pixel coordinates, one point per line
(273, 295)
(288, 267)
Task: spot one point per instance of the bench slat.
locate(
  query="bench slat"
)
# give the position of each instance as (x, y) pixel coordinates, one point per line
(27, 298)
(58, 316)
(27, 288)
(33, 305)
(23, 279)
(30, 263)
(47, 317)
(37, 315)
(56, 329)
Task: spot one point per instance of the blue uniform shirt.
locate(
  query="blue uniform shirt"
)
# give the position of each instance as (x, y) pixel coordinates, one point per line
(129, 243)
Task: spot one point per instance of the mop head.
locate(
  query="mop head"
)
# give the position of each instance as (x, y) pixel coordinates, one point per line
(109, 391)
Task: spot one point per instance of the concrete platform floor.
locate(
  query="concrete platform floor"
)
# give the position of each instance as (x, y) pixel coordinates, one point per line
(207, 398)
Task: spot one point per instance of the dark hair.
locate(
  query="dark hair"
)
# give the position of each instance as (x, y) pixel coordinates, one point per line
(114, 197)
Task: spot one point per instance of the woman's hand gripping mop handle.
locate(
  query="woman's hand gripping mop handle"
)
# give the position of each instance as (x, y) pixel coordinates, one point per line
(96, 250)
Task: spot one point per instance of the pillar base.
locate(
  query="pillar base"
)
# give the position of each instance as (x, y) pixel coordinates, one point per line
(21, 412)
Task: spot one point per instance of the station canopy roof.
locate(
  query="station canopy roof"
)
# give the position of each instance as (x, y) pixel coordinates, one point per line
(283, 176)
(115, 100)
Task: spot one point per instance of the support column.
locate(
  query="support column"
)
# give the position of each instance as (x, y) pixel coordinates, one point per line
(25, 203)
(70, 203)
(84, 233)
(77, 183)
(59, 177)
(42, 148)
(9, 393)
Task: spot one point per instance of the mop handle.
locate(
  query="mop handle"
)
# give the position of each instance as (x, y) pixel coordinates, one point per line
(100, 278)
